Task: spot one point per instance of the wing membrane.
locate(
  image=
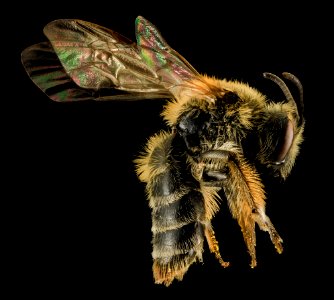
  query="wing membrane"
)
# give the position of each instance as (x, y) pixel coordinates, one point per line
(46, 71)
(85, 61)
(166, 62)
(96, 57)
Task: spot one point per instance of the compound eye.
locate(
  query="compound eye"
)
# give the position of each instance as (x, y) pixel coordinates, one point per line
(284, 144)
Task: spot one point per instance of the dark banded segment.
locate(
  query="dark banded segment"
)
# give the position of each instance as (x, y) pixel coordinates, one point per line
(189, 208)
(184, 240)
(162, 171)
(175, 250)
(165, 184)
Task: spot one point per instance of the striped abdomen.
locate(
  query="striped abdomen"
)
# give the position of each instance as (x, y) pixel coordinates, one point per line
(180, 213)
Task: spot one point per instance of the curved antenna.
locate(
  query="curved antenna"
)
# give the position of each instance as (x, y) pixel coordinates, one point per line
(281, 84)
(298, 84)
(287, 93)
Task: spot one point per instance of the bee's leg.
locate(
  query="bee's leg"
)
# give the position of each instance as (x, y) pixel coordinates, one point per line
(265, 224)
(246, 199)
(213, 245)
(181, 210)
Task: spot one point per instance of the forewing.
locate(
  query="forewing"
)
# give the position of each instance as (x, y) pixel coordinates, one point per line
(87, 61)
(96, 57)
(46, 71)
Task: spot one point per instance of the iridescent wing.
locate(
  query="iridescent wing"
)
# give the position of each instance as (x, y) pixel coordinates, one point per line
(46, 71)
(176, 73)
(160, 57)
(87, 61)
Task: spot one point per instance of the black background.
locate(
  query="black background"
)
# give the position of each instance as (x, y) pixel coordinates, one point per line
(80, 220)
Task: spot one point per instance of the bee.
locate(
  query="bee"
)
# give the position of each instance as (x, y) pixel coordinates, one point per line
(219, 134)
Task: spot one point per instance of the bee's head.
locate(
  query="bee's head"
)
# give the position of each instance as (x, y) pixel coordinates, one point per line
(280, 131)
